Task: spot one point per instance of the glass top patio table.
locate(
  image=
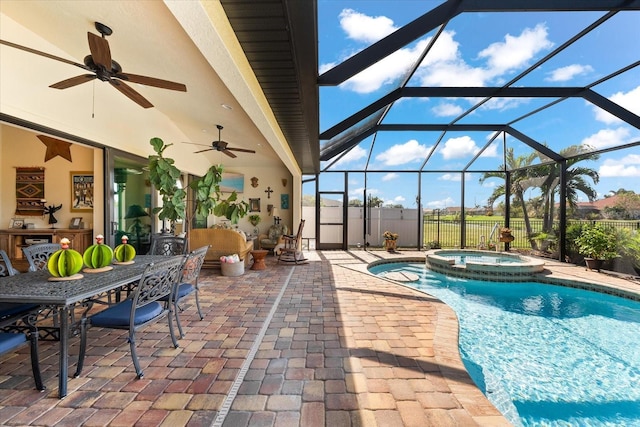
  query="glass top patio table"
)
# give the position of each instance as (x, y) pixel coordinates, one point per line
(35, 288)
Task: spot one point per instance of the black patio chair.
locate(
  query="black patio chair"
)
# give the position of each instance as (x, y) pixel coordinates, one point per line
(168, 245)
(17, 327)
(188, 284)
(144, 307)
(6, 269)
(38, 255)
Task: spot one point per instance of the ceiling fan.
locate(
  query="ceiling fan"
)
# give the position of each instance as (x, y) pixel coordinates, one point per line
(102, 67)
(221, 145)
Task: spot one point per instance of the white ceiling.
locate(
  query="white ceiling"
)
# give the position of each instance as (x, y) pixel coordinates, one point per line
(148, 39)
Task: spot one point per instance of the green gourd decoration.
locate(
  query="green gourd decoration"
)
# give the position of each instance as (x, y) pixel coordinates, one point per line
(98, 256)
(124, 253)
(65, 263)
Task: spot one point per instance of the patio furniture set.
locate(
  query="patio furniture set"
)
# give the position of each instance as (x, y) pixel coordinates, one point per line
(154, 286)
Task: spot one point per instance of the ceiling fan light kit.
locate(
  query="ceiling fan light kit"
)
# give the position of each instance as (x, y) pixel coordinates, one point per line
(104, 68)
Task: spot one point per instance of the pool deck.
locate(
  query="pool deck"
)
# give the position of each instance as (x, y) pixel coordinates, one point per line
(323, 343)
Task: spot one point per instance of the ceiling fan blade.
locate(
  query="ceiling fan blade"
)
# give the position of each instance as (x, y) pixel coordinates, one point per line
(202, 151)
(243, 150)
(100, 52)
(73, 81)
(229, 153)
(46, 55)
(130, 93)
(152, 81)
(202, 145)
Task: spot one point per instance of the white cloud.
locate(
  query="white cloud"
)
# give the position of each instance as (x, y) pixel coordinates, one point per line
(439, 204)
(628, 166)
(399, 154)
(399, 199)
(567, 73)
(491, 150)
(358, 192)
(456, 177)
(629, 100)
(390, 176)
(503, 104)
(443, 65)
(607, 138)
(356, 153)
(447, 109)
(516, 51)
(385, 71)
(363, 28)
(326, 67)
(461, 147)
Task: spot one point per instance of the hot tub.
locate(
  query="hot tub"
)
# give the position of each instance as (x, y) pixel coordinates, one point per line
(483, 265)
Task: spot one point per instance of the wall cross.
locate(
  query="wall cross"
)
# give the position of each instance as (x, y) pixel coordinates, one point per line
(268, 191)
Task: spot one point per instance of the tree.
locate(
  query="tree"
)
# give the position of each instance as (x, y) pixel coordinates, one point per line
(375, 202)
(627, 206)
(575, 179)
(356, 202)
(520, 182)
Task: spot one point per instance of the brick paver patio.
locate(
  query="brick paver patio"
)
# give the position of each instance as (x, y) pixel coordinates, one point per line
(317, 344)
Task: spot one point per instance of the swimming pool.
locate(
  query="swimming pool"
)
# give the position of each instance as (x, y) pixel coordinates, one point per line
(544, 355)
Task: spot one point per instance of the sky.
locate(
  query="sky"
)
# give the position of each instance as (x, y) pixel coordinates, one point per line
(477, 50)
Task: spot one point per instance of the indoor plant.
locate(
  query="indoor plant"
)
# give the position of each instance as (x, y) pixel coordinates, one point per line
(255, 219)
(164, 175)
(597, 243)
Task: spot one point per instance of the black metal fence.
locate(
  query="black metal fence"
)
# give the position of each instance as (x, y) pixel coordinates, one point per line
(447, 233)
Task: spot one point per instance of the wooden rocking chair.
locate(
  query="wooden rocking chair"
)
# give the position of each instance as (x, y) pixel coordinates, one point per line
(292, 244)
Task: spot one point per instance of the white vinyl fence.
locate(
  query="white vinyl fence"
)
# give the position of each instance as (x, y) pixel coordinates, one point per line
(401, 221)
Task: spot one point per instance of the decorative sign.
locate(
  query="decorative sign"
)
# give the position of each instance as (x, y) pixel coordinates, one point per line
(30, 191)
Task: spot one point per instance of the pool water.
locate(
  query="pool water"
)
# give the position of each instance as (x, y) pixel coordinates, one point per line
(544, 355)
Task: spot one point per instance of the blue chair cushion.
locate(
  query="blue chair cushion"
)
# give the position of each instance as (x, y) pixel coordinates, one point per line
(184, 289)
(8, 309)
(9, 340)
(118, 315)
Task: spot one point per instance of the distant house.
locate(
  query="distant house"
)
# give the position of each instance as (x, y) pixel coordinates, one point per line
(600, 207)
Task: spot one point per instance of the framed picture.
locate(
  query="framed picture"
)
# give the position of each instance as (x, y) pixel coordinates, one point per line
(81, 191)
(16, 223)
(232, 181)
(75, 222)
(254, 205)
(284, 201)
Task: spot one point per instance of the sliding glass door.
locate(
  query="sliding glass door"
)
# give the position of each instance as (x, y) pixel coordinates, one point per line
(129, 200)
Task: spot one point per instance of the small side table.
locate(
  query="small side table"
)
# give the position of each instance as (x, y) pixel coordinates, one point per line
(258, 259)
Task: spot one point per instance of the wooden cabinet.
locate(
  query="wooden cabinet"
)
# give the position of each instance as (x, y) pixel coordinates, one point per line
(13, 240)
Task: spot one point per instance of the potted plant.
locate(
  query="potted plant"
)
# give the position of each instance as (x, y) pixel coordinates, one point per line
(163, 174)
(505, 235)
(390, 240)
(255, 219)
(629, 243)
(597, 243)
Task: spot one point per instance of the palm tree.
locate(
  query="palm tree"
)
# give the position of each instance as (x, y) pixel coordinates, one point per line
(519, 183)
(575, 181)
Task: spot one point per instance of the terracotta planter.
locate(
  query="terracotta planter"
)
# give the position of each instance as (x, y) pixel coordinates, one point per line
(506, 237)
(390, 245)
